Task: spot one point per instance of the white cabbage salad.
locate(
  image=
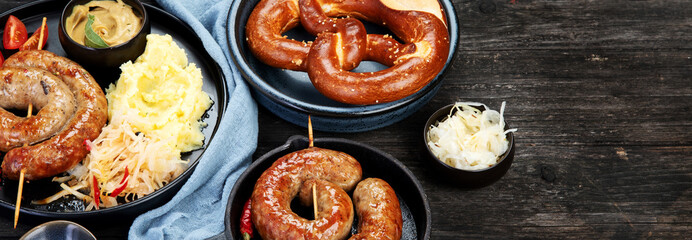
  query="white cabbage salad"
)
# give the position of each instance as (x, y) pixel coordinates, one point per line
(468, 138)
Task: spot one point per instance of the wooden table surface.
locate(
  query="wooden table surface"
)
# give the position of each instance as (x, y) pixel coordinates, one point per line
(601, 94)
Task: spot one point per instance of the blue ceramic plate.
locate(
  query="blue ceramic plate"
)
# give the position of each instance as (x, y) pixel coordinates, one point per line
(291, 96)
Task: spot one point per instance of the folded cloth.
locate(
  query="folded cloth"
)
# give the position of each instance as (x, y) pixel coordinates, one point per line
(197, 210)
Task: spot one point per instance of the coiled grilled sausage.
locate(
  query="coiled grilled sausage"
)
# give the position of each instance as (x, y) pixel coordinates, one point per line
(379, 213)
(64, 150)
(333, 173)
(46, 92)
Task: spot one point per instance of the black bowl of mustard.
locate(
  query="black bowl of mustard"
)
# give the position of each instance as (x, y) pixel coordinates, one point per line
(110, 57)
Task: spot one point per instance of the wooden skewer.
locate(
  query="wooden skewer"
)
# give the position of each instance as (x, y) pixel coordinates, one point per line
(312, 144)
(19, 197)
(314, 191)
(17, 206)
(314, 200)
(28, 114)
(40, 36)
(30, 110)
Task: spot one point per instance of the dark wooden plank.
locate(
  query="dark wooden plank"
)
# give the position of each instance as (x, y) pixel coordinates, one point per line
(566, 97)
(596, 193)
(581, 24)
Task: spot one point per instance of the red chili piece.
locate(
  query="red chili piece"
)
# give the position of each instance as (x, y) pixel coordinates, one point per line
(97, 193)
(246, 221)
(122, 186)
(86, 143)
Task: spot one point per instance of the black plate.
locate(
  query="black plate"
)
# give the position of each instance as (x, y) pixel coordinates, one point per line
(375, 163)
(161, 23)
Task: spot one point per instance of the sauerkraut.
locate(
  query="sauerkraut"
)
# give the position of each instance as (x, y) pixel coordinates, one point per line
(135, 162)
(468, 138)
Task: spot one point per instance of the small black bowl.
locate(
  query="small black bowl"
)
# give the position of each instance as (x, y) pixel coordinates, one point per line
(467, 178)
(110, 57)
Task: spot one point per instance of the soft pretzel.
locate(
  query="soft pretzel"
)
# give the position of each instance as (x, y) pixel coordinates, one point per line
(268, 20)
(342, 43)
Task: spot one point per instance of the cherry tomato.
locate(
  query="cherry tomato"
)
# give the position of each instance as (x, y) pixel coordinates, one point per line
(2, 59)
(15, 33)
(32, 42)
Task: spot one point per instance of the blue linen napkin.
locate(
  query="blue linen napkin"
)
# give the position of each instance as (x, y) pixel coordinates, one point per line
(197, 210)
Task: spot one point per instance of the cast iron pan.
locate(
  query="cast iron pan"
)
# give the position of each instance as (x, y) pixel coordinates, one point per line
(71, 208)
(375, 163)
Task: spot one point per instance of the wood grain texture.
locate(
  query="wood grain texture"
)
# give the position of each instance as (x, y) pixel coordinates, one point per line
(601, 92)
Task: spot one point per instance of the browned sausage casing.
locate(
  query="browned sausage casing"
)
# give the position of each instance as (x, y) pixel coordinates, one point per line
(46, 92)
(379, 213)
(64, 150)
(280, 183)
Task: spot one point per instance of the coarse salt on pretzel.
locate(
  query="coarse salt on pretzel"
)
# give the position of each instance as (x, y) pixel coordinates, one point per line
(412, 65)
(265, 26)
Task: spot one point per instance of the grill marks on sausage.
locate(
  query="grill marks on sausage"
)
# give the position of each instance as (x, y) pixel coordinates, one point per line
(46, 93)
(332, 173)
(379, 212)
(65, 149)
(46, 88)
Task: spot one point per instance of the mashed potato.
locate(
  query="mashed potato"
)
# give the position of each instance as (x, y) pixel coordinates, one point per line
(165, 91)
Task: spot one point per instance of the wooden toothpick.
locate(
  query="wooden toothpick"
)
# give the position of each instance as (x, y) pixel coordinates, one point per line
(314, 199)
(31, 108)
(314, 190)
(40, 36)
(19, 197)
(21, 177)
(312, 144)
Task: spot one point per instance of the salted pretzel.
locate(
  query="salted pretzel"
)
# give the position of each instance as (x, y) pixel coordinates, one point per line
(342, 43)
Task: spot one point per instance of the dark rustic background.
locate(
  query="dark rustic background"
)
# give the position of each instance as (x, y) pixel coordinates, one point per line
(601, 92)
